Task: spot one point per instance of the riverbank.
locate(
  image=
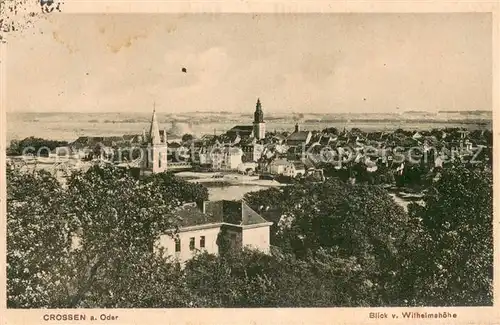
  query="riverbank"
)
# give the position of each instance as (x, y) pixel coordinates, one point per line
(221, 186)
(229, 179)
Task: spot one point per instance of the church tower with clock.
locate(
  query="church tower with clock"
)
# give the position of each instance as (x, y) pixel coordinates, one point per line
(155, 148)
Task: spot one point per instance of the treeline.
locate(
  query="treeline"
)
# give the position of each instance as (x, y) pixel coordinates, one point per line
(34, 146)
(439, 253)
(334, 244)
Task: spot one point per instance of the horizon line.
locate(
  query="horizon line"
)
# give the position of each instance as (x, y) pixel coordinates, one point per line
(250, 113)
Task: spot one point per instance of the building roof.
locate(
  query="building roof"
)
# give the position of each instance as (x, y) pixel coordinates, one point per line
(307, 162)
(417, 135)
(248, 142)
(88, 141)
(208, 136)
(280, 161)
(213, 212)
(242, 128)
(326, 139)
(299, 165)
(110, 140)
(279, 136)
(249, 216)
(154, 131)
(299, 136)
(191, 215)
(233, 137)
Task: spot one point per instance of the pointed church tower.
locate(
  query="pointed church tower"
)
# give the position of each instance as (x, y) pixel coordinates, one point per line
(259, 126)
(154, 130)
(156, 148)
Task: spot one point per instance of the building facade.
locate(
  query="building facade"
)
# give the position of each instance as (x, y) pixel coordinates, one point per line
(252, 152)
(215, 226)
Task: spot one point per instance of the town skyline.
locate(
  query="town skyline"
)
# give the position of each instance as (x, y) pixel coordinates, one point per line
(363, 63)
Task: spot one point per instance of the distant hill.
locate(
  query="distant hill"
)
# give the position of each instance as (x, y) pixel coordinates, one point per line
(472, 112)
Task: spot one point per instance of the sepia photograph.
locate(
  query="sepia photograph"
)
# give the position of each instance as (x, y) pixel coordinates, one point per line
(247, 160)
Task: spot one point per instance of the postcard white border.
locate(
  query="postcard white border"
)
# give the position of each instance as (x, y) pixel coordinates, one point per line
(289, 316)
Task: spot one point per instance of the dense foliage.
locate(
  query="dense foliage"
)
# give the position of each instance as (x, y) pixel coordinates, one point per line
(68, 247)
(450, 256)
(34, 146)
(354, 223)
(334, 244)
(253, 279)
(38, 240)
(187, 137)
(441, 254)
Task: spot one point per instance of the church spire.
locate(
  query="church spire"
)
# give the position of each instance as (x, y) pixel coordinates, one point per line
(259, 114)
(154, 131)
(259, 127)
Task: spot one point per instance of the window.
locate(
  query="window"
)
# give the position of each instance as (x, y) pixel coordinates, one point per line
(202, 242)
(191, 243)
(159, 159)
(177, 245)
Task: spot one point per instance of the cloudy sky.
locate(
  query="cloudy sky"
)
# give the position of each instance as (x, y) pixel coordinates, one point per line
(312, 63)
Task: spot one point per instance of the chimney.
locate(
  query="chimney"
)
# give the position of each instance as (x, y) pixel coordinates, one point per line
(297, 129)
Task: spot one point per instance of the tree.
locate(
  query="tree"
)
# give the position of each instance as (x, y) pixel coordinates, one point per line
(414, 175)
(91, 244)
(178, 189)
(357, 222)
(265, 200)
(118, 217)
(187, 137)
(449, 257)
(38, 240)
(362, 219)
(330, 130)
(13, 148)
(140, 280)
(356, 131)
(251, 278)
(34, 146)
(269, 203)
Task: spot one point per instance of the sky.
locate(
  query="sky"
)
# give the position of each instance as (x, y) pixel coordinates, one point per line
(324, 63)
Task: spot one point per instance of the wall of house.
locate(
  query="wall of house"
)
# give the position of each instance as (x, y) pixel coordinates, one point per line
(289, 171)
(235, 161)
(257, 238)
(276, 169)
(204, 159)
(211, 247)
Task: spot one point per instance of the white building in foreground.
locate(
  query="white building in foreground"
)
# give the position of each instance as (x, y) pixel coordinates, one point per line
(207, 226)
